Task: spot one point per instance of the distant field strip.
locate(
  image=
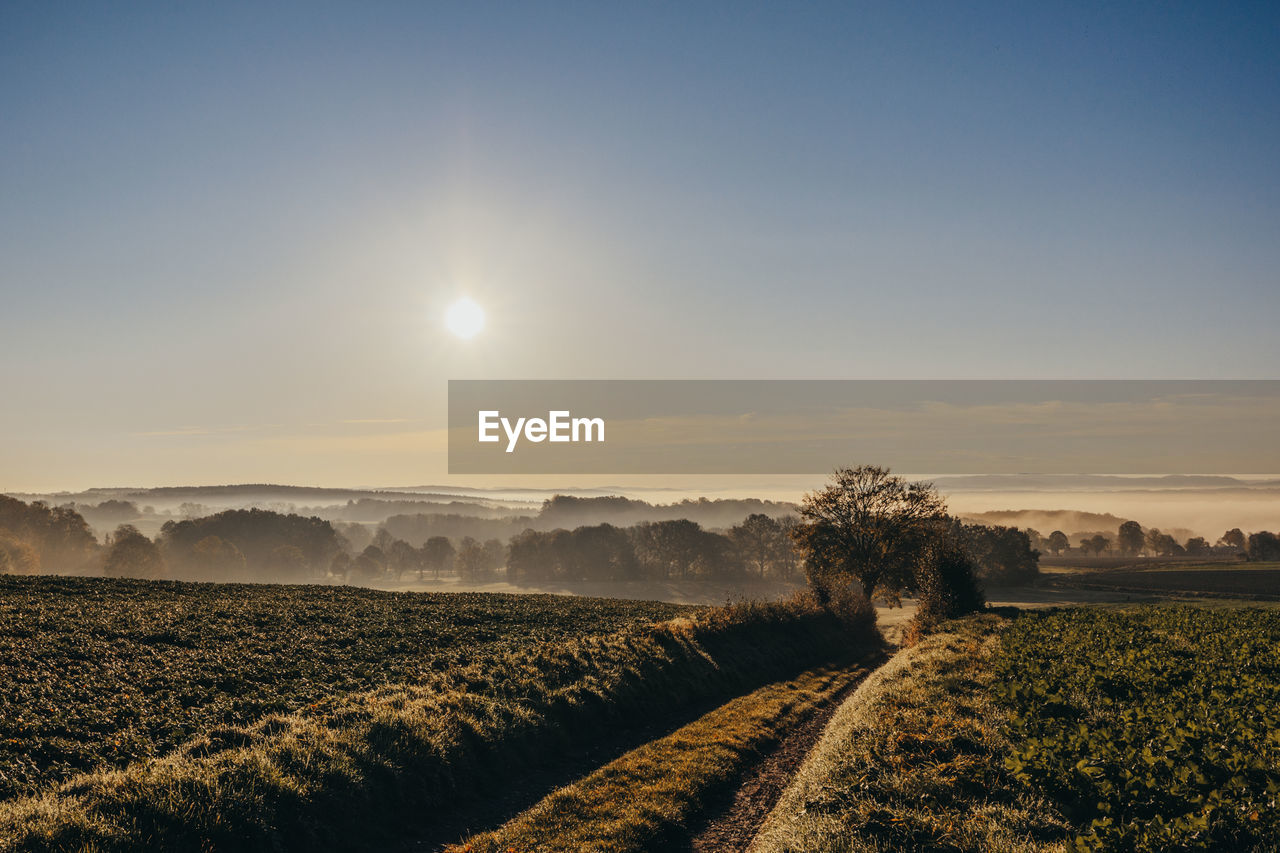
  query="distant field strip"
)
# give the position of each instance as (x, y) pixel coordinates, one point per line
(1261, 583)
(363, 770)
(647, 798)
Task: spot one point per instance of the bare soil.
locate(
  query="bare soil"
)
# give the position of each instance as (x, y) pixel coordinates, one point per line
(733, 828)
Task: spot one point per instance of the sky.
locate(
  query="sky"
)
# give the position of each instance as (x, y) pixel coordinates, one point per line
(229, 231)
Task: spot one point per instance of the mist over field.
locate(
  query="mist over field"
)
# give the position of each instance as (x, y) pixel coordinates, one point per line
(1205, 514)
(1203, 505)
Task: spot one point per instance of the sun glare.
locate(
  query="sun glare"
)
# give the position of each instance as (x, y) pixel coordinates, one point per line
(464, 318)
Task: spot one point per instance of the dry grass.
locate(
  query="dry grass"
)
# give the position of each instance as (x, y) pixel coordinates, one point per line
(647, 796)
(913, 760)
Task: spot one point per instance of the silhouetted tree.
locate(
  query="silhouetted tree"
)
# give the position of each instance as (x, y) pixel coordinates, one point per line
(1097, 544)
(356, 536)
(1197, 546)
(1129, 538)
(759, 540)
(867, 527)
(471, 561)
(59, 536)
(403, 557)
(603, 552)
(1264, 546)
(1057, 542)
(1234, 539)
(374, 553)
(1161, 544)
(495, 555)
(717, 557)
(437, 554)
(340, 566)
(383, 539)
(668, 547)
(788, 558)
(111, 512)
(1002, 555)
(531, 558)
(130, 554)
(257, 533)
(16, 556)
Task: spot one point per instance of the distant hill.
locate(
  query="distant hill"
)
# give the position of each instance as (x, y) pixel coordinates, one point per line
(1046, 520)
(1069, 521)
(1095, 483)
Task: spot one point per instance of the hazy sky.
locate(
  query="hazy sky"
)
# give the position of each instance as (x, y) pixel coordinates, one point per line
(228, 232)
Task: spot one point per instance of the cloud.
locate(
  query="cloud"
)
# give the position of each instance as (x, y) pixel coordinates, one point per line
(200, 430)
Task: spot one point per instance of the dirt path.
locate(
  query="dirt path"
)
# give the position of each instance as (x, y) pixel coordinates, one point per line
(733, 828)
(533, 783)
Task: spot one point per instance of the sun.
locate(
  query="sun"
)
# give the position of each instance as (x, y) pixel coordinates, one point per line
(464, 318)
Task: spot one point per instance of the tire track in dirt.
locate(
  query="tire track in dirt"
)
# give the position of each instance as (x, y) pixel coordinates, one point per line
(732, 829)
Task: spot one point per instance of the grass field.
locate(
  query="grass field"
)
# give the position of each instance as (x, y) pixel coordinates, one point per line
(99, 673)
(477, 692)
(1152, 728)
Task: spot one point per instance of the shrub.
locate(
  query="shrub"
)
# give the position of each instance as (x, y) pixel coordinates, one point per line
(946, 587)
(856, 613)
(947, 584)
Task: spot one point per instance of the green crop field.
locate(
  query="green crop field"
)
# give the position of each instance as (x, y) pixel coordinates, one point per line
(1157, 729)
(1146, 728)
(99, 673)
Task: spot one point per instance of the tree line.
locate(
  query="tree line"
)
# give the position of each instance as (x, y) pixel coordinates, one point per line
(265, 545)
(1132, 540)
(36, 537)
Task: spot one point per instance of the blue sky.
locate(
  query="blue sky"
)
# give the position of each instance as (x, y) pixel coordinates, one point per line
(228, 230)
